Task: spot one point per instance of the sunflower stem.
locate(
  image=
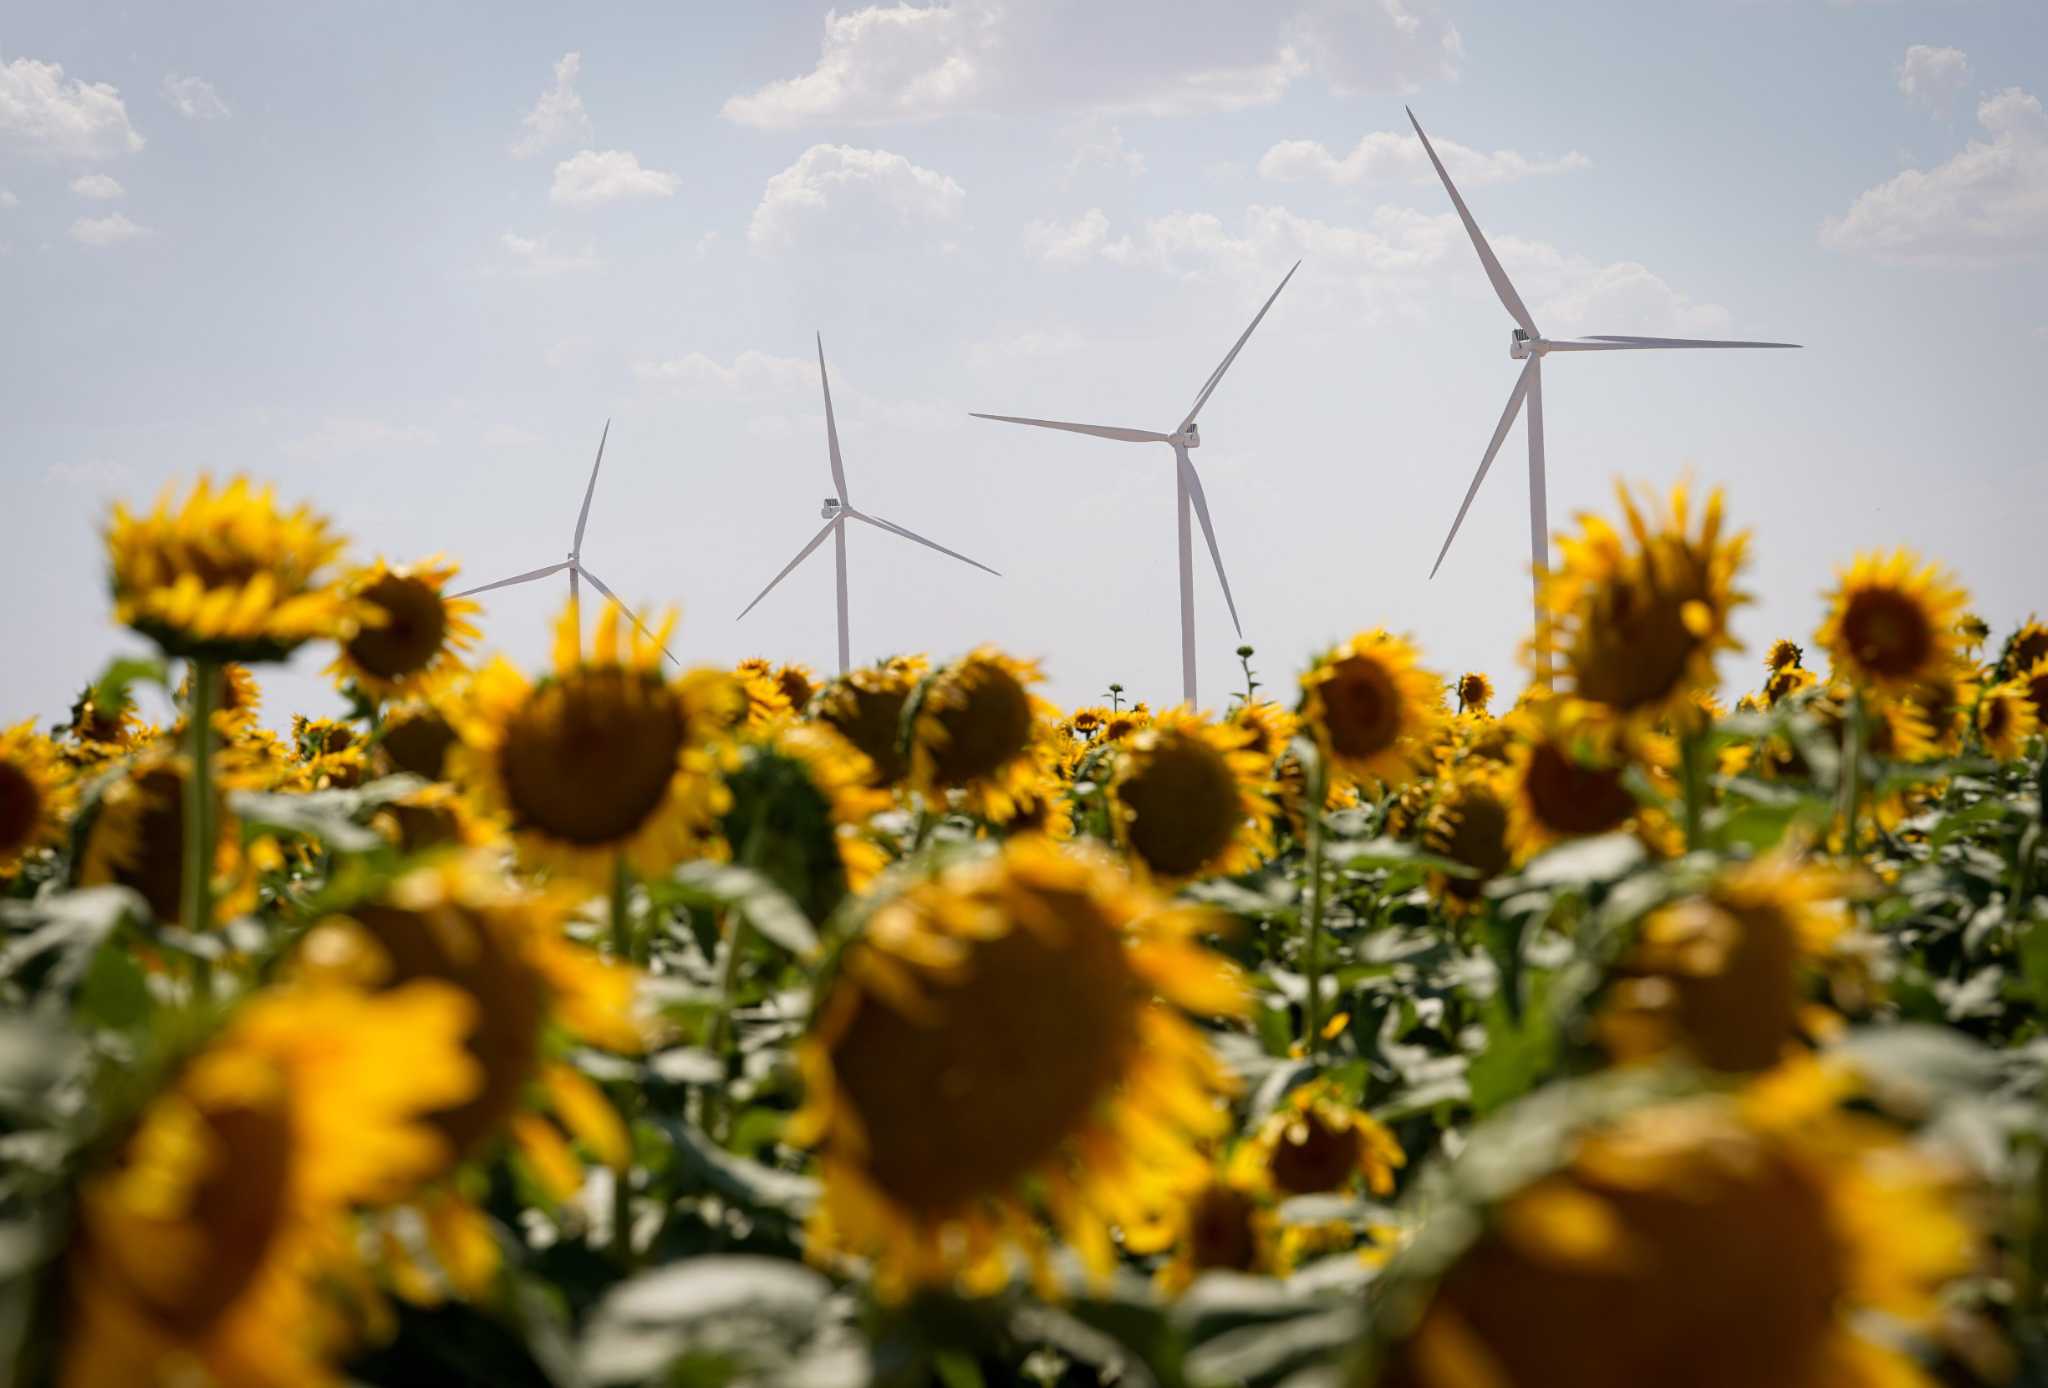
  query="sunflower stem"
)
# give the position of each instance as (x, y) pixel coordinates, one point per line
(622, 916)
(1852, 771)
(1318, 774)
(196, 885)
(622, 1181)
(1689, 769)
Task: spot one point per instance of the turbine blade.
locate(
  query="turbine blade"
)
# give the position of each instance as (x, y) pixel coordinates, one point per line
(1216, 376)
(1500, 432)
(1502, 285)
(801, 555)
(1101, 431)
(1195, 494)
(896, 529)
(583, 516)
(831, 425)
(1644, 342)
(598, 584)
(529, 576)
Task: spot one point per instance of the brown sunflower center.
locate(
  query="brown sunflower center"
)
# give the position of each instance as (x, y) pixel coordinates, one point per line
(872, 720)
(2037, 693)
(1181, 805)
(1473, 692)
(985, 726)
(1887, 632)
(1570, 799)
(1998, 718)
(794, 687)
(589, 757)
(1632, 648)
(1315, 1155)
(1220, 1232)
(419, 743)
(2027, 648)
(21, 807)
(415, 625)
(1477, 836)
(1735, 973)
(151, 860)
(1361, 708)
(1015, 1056)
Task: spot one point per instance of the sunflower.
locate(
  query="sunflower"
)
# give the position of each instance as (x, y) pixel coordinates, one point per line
(1315, 1143)
(1783, 655)
(1469, 824)
(416, 635)
(1974, 631)
(1727, 1239)
(1783, 683)
(1006, 1038)
(1562, 785)
(2006, 718)
(774, 691)
(1891, 621)
(35, 796)
(135, 834)
(1190, 798)
(1269, 727)
(1638, 625)
(416, 734)
(208, 1246)
(1943, 703)
(1720, 974)
(2027, 645)
(1223, 1225)
(865, 706)
(226, 575)
(238, 702)
(1120, 723)
(96, 733)
(801, 797)
(1475, 692)
(2034, 679)
(601, 760)
(1372, 709)
(975, 728)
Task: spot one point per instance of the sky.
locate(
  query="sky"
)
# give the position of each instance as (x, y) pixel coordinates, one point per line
(405, 262)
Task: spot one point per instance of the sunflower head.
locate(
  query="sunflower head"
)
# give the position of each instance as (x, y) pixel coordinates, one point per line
(975, 727)
(135, 834)
(35, 796)
(2024, 648)
(2006, 718)
(801, 797)
(226, 575)
(1639, 618)
(1475, 692)
(1372, 709)
(865, 707)
(1469, 824)
(1005, 1041)
(1783, 655)
(1891, 621)
(1268, 727)
(1563, 784)
(1118, 724)
(1316, 1142)
(109, 729)
(418, 733)
(412, 634)
(2035, 680)
(1784, 683)
(1190, 798)
(1942, 705)
(1973, 631)
(603, 757)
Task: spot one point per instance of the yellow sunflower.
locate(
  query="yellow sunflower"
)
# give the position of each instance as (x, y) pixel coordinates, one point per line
(2034, 678)
(1639, 618)
(1891, 621)
(1269, 727)
(1006, 1039)
(976, 729)
(226, 575)
(1372, 709)
(208, 1248)
(1729, 1239)
(801, 798)
(416, 734)
(1190, 798)
(774, 691)
(1786, 681)
(1721, 975)
(35, 796)
(135, 836)
(2006, 719)
(1974, 631)
(95, 734)
(1943, 703)
(1783, 655)
(238, 702)
(1315, 1142)
(1562, 785)
(865, 707)
(2025, 647)
(417, 634)
(1469, 824)
(601, 760)
(1475, 692)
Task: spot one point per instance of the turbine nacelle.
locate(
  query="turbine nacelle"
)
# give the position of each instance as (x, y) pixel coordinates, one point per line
(829, 509)
(1521, 346)
(1190, 437)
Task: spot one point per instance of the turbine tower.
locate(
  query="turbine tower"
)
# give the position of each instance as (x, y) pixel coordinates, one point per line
(1527, 344)
(574, 563)
(836, 510)
(1187, 491)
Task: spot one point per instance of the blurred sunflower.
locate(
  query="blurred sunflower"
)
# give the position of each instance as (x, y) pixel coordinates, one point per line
(974, 728)
(600, 761)
(97, 733)
(1562, 785)
(1639, 619)
(2024, 648)
(1372, 709)
(209, 1247)
(134, 836)
(1268, 726)
(1786, 681)
(226, 575)
(1468, 824)
(237, 702)
(1006, 1038)
(801, 796)
(1721, 1240)
(2035, 680)
(865, 707)
(2006, 719)
(413, 633)
(1120, 723)
(1475, 692)
(35, 796)
(1720, 975)
(773, 691)
(1973, 630)
(1190, 798)
(416, 733)
(327, 754)
(1221, 1225)
(1891, 621)
(1315, 1142)
(1943, 703)
(1783, 655)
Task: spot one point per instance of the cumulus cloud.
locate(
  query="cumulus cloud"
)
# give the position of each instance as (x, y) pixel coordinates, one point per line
(99, 187)
(111, 230)
(1397, 154)
(850, 184)
(45, 116)
(532, 257)
(1100, 146)
(1989, 202)
(883, 63)
(1070, 243)
(558, 117)
(194, 98)
(1933, 77)
(593, 178)
(751, 376)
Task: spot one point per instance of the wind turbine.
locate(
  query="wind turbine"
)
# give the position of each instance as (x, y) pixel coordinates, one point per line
(1527, 344)
(1187, 489)
(837, 510)
(574, 563)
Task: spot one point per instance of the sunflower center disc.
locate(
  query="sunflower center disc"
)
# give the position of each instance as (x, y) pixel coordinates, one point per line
(589, 757)
(871, 719)
(1182, 804)
(1632, 650)
(1888, 632)
(21, 804)
(1312, 1156)
(413, 631)
(986, 729)
(419, 744)
(1363, 709)
(1571, 799)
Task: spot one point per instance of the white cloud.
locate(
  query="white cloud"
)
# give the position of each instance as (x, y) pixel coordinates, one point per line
(1987, 203)
(45, 116)
(194, 98)
(1933, 77)
(531, 256)
(850, 184)
(7, 198)
(883, 63)
(1104, 146)
(1070, 243)
(592, 178)
(558, 117)
(98, 187)
(110, 230)
(1389, 154)
(753, 375)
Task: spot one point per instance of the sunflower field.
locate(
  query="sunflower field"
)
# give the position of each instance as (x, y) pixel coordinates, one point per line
(617, 1024)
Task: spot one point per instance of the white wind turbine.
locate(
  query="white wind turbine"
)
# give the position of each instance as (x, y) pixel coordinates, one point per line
(1187, 490)
(836, 510)
(574, 563)
(1528, 344)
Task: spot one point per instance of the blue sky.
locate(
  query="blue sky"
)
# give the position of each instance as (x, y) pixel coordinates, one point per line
(406, 260)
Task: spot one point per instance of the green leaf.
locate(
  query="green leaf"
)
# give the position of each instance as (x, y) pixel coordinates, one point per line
(747, 1308)
(329, 816)
(1584, 861)
(745, 1182)
(71, 926)
(110, 690)
(1518, 1054)
(722, 886)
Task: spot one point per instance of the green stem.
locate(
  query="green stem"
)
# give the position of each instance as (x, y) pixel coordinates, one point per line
(1693, 781)
(622, 1181)
(1317, 790)
(196, 886)
(1852, 771)
(623, 943)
